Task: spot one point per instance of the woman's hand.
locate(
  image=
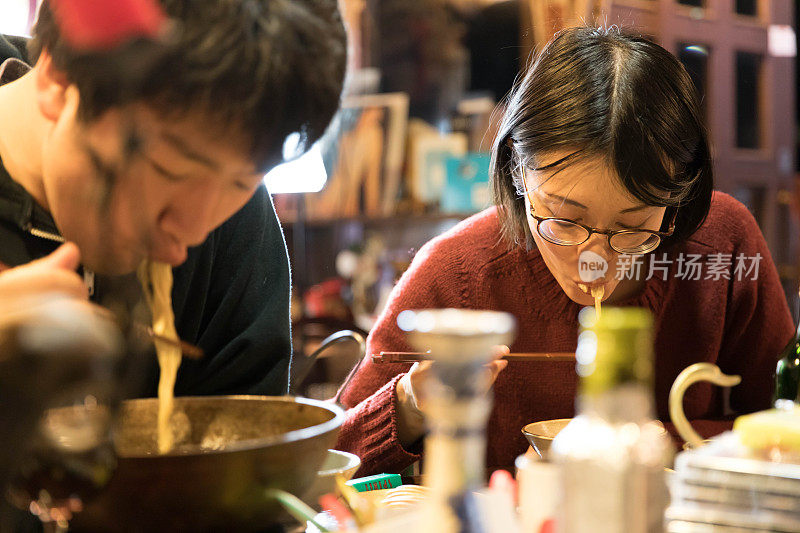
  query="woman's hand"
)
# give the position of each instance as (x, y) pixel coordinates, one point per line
(410, 398)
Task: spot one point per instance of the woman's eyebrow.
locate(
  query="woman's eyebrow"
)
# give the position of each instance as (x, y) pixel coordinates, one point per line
(634, 209)
(565, 200)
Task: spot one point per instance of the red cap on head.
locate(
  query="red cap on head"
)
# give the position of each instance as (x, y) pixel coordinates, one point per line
(96, 25)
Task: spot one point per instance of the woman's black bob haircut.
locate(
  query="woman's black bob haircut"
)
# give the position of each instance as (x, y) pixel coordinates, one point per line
(611, 94)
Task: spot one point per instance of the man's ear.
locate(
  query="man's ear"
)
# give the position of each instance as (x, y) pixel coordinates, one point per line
(51, 87)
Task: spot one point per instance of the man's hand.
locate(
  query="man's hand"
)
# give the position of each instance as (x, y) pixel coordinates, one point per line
(47, 292)
(26, 287)
(410, 398)
(54, 273)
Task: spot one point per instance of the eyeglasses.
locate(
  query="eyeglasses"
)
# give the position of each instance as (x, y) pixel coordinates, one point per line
(565, 232)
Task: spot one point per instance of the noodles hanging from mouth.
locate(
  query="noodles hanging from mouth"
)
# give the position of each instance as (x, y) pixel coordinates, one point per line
(156, 280)
(597, 294)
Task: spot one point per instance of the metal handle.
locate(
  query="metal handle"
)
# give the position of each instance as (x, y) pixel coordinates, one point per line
(329, 341)
(691, 375)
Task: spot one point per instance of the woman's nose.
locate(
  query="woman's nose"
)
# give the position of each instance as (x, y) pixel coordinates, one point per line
(598, 244)
(595, 258)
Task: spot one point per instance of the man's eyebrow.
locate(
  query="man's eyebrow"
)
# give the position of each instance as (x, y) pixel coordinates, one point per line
(161, 169)
(187, 151)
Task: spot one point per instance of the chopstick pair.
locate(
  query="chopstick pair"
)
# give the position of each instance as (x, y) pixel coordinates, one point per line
(414, 357)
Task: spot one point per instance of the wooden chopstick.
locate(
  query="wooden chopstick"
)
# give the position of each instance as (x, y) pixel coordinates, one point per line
(413, 357)
(539, 356)
(190, 351)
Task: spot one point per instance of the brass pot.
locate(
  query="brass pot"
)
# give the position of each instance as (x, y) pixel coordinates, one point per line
(233, 448)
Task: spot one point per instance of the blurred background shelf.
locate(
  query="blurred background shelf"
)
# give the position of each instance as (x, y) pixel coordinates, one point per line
(429, 77)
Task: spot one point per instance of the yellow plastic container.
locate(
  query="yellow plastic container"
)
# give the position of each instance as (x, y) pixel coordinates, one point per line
(772, 431)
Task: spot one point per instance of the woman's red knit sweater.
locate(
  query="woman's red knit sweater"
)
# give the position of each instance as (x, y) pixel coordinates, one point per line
(741, 325)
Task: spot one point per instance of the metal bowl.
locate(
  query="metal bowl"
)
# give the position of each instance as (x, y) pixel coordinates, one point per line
(541, 434)
(337, 463)
(214, 479)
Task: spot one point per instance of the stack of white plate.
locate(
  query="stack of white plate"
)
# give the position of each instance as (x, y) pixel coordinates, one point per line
(716, 488)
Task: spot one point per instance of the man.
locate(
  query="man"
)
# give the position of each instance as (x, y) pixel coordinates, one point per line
(171, 171)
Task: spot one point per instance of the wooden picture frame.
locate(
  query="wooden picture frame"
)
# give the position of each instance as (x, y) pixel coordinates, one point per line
(547, 17)
(363, 153)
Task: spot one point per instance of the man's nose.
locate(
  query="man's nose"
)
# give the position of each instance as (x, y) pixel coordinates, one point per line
(190, 218)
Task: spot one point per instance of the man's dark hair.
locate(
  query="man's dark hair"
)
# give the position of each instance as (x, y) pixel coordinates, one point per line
(268, 67)
(597, 92)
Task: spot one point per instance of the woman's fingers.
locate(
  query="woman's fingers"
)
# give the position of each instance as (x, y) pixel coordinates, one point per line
(495, 367)
(501, 350)
(411, 393)
(417, 375)
(498, 365)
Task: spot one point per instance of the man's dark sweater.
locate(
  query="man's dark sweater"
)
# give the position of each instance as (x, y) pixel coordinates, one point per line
(7, 49)
(231, 296)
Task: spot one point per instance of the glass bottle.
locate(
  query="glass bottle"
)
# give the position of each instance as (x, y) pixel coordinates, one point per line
(457, 404)
(58, 379)
(613, 453)
(787, 372)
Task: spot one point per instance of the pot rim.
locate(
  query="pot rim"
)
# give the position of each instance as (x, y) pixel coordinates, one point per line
(247, 444)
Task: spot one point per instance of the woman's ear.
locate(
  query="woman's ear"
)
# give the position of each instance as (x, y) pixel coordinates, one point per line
(51, 87)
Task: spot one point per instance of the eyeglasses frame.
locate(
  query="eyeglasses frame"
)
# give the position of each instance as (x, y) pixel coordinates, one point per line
(609, 233)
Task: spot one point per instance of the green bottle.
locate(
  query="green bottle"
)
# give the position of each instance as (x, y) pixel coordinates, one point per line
(787, 373)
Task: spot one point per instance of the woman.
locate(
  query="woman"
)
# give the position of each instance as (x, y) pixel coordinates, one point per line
(602, 181)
